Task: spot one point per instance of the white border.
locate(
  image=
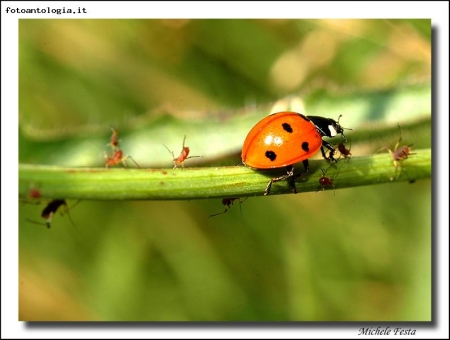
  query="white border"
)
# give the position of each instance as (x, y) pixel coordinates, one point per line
(437, 11)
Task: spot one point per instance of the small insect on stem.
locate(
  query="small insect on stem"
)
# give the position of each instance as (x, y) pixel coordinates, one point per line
(117, 158)
(114, 141)
(34, 193)
(51, 209)
(228, 202)
(33, 196)
(399, 153)
(116, 155)
(344, 151)
(177, 161)
(326, 182)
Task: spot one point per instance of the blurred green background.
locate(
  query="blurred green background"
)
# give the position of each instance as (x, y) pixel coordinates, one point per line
(354, 254)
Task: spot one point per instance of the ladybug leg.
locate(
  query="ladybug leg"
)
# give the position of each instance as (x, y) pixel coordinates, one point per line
(324, 155)
(306, 166)
(331, 154)
(290, 173)
(291, 178)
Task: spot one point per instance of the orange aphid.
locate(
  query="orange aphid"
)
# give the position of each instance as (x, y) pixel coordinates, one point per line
(114, 141)
(399, 153)
(184, 154)
(117, 158)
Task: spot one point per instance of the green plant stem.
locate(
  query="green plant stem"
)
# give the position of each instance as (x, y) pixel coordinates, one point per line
(212, 182)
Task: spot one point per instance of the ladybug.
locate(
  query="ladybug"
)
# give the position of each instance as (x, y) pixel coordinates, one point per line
(285, 138)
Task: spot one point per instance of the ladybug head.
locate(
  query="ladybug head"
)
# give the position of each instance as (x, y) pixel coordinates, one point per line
(328, 127)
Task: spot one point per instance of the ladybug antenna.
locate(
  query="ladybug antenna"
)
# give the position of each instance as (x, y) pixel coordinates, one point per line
(341, 129)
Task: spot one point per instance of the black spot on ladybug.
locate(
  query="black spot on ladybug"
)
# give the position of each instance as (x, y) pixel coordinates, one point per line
(287, 127)
(305, 146)
(271, 155)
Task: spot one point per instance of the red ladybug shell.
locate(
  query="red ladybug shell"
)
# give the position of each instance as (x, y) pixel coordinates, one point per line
(279, 140)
